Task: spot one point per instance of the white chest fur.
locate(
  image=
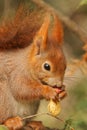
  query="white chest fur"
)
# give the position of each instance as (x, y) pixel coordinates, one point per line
(25, 109)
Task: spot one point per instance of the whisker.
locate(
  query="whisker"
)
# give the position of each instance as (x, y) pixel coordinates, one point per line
(68, 79)
(72, 77)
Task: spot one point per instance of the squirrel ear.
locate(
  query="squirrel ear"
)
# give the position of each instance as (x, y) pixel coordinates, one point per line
(40, 39)
(57, 30)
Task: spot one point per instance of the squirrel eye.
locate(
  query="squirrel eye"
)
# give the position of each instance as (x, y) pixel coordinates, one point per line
(47, 66)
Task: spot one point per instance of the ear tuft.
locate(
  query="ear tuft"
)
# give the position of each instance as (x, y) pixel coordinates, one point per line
(42, 34)
(57, 30)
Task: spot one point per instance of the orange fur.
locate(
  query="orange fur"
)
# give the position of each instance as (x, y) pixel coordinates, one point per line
(57, 30)
(20, 32)
(26, 47)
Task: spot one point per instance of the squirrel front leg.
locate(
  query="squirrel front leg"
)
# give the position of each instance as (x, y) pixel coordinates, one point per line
(29, 93)
(30, 90)
(23, 89)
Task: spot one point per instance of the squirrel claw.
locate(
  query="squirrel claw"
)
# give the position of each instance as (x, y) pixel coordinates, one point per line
(14, 123)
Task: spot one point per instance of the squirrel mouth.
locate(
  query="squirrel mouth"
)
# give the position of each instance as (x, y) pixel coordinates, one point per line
(61, 88)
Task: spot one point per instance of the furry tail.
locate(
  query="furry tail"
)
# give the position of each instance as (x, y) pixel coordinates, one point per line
(20, 31)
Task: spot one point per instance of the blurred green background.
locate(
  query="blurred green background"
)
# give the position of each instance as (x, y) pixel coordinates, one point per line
(74, 106)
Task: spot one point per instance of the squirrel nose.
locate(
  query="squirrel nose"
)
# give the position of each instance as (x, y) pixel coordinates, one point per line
(60, 82)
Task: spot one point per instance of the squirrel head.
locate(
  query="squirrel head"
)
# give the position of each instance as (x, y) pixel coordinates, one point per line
(46, 56)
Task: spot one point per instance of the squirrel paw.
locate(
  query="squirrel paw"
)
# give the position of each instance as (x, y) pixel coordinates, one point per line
(14, 123)
(50, 93)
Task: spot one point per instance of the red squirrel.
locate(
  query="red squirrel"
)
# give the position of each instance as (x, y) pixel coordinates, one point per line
(32, 65)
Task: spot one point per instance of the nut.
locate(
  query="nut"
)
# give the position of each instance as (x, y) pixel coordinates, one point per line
(54, 107)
